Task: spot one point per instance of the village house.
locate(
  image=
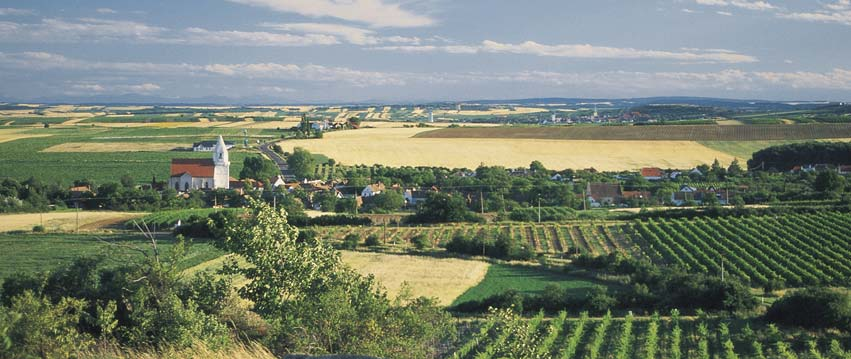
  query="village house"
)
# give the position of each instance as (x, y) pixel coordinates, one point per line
(688, 194)
(415, 196)
(209, 146)
(603, 194)
(652, 173)
(373, 189)
(207, 173)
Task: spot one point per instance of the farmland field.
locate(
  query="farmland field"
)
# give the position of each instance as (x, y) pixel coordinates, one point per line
(796, 249)
(580, 336)
(745, 149)
(400, 147)
(652, 133)
(444, 279)
(83, 152)
(524, 279)
(29, 253)
(64, 221)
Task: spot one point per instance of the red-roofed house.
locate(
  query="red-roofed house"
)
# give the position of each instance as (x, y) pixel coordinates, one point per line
(652, 173)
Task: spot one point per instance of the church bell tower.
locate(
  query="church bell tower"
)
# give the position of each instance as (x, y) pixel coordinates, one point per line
(221, 174)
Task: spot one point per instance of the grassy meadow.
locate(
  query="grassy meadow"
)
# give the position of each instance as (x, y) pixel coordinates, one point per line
(524, 279)
(30, 253)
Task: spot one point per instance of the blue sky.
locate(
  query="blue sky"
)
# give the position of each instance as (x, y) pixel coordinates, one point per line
(424, 50)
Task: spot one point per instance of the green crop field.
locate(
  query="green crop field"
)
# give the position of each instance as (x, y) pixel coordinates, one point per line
(524, 279)
(30, 253)
(652, 133)
(511, 336)
(167, 219)
(25, 157)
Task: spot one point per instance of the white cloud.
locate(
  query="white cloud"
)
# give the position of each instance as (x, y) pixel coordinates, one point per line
(87, 88)
(376, 13)
(837, 13)
(249, 38)
(757, 5)
(262, 73)
(724, 13)
(87, 29)
(106, 10)
(585, 51)
(7, 11)
(351, 34)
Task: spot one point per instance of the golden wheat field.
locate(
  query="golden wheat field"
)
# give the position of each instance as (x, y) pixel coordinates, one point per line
(64, 221)
(15, 134)
(441, 278)
(115, 147)
(396, 147)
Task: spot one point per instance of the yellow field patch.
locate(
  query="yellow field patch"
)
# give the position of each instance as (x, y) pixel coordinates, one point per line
(441, 278)
(115, 147)
(14, 134)
(395, 147)
(64, 221)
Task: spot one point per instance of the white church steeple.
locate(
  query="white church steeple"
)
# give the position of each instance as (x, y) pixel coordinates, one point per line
(221, 174)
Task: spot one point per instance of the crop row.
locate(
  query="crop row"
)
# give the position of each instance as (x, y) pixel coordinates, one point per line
(796, 249)
(505, 335)
(554, 238)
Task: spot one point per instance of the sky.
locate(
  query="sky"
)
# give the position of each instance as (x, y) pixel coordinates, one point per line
(397, 51)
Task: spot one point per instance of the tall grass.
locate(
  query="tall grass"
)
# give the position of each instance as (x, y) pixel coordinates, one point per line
(198, 350)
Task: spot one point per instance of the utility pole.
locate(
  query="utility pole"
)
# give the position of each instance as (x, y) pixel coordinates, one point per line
(482, 201)
(385, 231)
(539, 209)
(78, 218)
(722, 270)
(274, 200)
(584, 201)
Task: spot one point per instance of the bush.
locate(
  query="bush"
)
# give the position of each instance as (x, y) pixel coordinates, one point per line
(372, 241)
(814, 308)
(38, 229)
(420, 242)
(35, 327)
(351, 241)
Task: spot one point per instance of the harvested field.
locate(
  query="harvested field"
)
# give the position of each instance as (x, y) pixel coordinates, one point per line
(444, 279)
(399, 147)
(116, 147)
(15, 134)
(64, 221)
(653, 133)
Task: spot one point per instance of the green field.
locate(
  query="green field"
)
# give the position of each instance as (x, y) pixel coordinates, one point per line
(524, 279)
(167, 219)
(31, 253)
(23, 158)
(743, 149)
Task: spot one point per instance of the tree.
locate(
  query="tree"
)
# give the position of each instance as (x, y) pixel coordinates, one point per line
(258, 168)
(318, 304)
(387, 201)
(735, 169)
(829, 182)
(127, 181)
(442, 207)
(301, 163)
(327, 200)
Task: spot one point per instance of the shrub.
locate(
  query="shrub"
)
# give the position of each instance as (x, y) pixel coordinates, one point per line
(351, 241)
(35, 327)
(38, 228)
(815, 308)
(372, 241)
(420, 242)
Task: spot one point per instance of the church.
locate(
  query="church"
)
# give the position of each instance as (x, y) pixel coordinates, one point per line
(195, 174)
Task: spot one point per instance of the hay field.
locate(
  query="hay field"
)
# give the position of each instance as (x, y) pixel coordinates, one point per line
(492, 112)
(64, 221)
(445, 279)
(15, 134)
(116, 147)
(396, 147)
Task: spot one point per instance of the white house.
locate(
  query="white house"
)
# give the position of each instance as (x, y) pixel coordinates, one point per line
(193, 174)
(373, 189)
(209, 146)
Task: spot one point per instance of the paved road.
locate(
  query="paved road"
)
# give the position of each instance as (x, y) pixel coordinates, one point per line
(266, 148)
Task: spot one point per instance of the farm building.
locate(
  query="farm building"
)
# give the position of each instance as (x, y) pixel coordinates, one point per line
(373, 189)
(604, 194)
(209, 146)
(652, 173)
(193, 174)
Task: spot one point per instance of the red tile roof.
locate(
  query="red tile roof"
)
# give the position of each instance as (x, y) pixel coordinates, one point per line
(195, 167)
(652, 172)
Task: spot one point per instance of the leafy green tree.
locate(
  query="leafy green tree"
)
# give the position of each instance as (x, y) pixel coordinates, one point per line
(327, 200)
(34, 327)
(386, 201)
(442, 207)
(301, 163)
(319, 305)
(258, 168)
(829, 182)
